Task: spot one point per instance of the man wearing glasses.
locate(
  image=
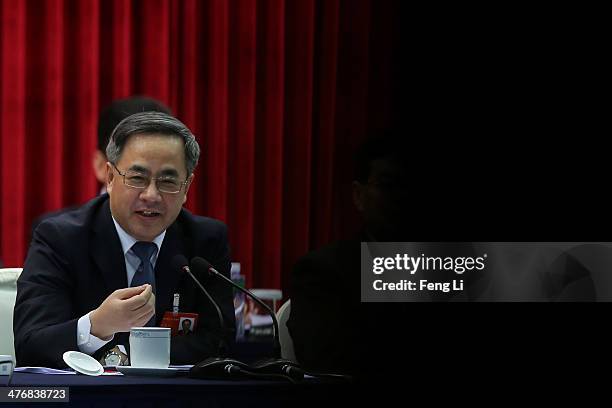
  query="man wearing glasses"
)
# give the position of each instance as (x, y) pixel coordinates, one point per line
(93, 273)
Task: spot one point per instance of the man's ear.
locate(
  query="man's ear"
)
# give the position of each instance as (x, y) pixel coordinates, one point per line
(358, 192)
(189, 180)
(98, 162)
(109, 177)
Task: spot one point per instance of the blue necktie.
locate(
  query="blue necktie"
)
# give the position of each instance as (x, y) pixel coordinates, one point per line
(144, 274)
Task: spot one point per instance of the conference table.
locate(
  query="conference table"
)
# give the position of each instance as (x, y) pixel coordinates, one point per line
(181, 391)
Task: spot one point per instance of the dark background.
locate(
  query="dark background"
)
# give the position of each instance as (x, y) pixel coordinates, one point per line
(506, 101)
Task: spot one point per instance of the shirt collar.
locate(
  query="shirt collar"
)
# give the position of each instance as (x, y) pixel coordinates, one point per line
(127, 241)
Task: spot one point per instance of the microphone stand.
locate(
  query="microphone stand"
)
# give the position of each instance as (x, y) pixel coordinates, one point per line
(222, 367)
(276, 348)
(222, 347)
(276, 365)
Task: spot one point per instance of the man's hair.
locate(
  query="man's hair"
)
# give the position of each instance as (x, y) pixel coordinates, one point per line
(388, 144)
(157, 123)
(121, 109)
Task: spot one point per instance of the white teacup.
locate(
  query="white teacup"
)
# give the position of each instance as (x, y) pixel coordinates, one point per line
(150, 347)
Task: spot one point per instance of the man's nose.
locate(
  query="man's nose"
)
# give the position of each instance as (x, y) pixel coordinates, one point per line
(151, 193)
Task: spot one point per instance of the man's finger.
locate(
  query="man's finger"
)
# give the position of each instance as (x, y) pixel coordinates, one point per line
(145, 317)
(138, 301)
(150, 302)
(127, 293)
(146, 296)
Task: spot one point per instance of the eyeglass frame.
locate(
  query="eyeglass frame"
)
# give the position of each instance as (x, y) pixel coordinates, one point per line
(181, 184)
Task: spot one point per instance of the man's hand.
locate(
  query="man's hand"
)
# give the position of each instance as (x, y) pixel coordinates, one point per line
(122, 310)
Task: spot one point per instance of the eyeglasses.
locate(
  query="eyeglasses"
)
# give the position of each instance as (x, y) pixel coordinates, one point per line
(389, 185)
(135, 179)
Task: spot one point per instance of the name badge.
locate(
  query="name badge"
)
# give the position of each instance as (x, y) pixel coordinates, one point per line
(180, 324)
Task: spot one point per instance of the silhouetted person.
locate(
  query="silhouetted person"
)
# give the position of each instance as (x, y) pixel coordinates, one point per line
(326, 321)
(110, 117)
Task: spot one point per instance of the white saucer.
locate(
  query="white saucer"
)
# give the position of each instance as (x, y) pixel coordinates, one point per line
(83, 363)
(151, 372)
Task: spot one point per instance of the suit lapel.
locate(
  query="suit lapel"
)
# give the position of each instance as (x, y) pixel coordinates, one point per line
(106, 251)
(166, 279)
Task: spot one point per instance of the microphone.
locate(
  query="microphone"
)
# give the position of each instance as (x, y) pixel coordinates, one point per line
(218, 367)
(180, 262)
(276, 365)
(222, 368)
(201, 264)
(213, 367)
(279, 366)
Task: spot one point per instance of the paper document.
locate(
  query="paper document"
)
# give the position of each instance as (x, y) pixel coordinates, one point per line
(43, 370)
(55, 371)
(182, 367)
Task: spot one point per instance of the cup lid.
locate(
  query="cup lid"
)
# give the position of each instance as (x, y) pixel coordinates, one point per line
(151, 329)
(83, 363)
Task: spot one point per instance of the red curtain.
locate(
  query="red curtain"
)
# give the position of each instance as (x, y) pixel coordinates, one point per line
(277, 92)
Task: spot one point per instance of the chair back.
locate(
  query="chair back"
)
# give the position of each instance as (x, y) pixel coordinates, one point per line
(285, 338)
(8, 293)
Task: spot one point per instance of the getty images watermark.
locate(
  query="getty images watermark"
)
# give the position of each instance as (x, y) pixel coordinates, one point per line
(411, 271)
(489, 271)
(411, 265)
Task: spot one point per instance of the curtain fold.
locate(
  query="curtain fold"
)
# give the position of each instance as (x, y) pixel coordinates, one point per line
(324, 121)
(81, 100)
(241, 130)
(269, 116)
(297, 153)
(13, 137)
(278, 93)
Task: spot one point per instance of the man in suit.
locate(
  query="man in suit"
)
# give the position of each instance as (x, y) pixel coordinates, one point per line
(93, 273)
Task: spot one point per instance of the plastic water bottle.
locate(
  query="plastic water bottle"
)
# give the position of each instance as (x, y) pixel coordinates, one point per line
(239, 300)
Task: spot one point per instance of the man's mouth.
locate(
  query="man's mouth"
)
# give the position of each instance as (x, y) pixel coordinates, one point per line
(148, 213)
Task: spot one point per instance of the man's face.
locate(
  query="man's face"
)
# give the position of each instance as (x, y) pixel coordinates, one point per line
(146, 213)
(383, 199)
(186, 324)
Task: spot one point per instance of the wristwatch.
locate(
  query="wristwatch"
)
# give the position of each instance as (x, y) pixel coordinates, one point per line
(114, 357)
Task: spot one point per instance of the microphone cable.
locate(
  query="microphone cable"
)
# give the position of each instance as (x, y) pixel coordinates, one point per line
(264, 376)
(344, 377)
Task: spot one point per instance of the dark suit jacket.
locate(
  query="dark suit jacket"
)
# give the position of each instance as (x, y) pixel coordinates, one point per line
(75, 261)
(325, 308)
